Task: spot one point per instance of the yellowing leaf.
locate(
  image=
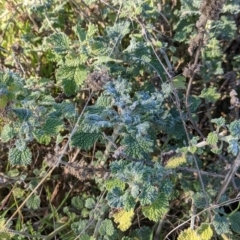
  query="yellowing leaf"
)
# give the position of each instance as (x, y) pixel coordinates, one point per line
(176, 161)
(205, 231)
(124, 218)
(189, 234)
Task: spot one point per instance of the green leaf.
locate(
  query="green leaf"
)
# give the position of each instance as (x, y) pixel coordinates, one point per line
(77, 202)
(115, 198)
(84, 140)
(52, 126)
(205, 231)
(22, 114)
(72, 77)
(58, 42)
(234, 128)
(219, 121)
(41, 137)
(179, 82)
(157, 209)
(210, 94)
(233, 147)
(33, 202)
(235, 221)
(7, 133)
(106, 228)
(137, 147)
(80, 32)
(143, 233)
(17, 157)
(212, 138)
(90, 203)
(221, 224)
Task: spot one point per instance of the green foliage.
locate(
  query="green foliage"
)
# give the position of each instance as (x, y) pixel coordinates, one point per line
(106, 228)
(20, 156)
(134, 150)
(33, 202)
(157, 209)
(235, 222)
(221, 224)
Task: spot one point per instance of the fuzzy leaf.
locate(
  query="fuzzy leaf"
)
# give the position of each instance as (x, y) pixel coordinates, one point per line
(157, 209)
(233, 147)
(58, 42)
(205, 231)
(33, 202)
(189, 234)
(106, 228)
(138, 147)
(52, 126)
(7, 133)
(210, 94)
(72, 77)
(219, 121)
(84, 140)
(221, 224)
(176, 161)
(90, 203)
(212, 138)
(17, 157)
(234, 128)
(235, 221)
(115, 198)
(124, 218)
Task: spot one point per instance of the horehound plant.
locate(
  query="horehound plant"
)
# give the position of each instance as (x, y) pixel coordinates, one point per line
(140, 154)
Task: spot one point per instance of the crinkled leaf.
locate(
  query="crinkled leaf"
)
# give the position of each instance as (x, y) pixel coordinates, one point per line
(7, 133)
(221, 224)
(115, 198)
(106, 228)
(212, 138)
(157, 209)
(234, 128)
(139, 147)
(84, 140)
(52, 126)
(210, 94)
(33, 202)
(58, 42)
(17, 157)
(205, 231)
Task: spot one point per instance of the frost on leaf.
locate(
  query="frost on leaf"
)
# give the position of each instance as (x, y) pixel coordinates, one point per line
(115, 198)
(235, 221)
(234, 128)
(84, 140)
(33, 202)
(138, 148)
(219, 121)
(124, 219)
(205, 231)
(189, 234)
(157, 209)
(17, 157)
